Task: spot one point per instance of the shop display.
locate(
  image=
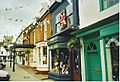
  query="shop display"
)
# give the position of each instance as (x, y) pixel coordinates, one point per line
(60, 61)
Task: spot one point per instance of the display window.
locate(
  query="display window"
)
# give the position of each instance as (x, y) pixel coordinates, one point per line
(60, 61)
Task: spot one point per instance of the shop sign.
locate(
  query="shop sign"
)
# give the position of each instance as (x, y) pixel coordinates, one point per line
(41, 44)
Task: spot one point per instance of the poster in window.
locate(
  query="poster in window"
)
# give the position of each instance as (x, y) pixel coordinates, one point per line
(62, 18)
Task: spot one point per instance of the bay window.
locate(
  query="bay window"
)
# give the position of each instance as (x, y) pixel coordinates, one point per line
(42, 55)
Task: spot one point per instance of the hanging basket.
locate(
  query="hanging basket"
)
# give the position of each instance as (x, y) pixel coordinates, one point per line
(73, 43)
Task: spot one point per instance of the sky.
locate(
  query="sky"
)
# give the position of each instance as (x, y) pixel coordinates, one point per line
(17, 14)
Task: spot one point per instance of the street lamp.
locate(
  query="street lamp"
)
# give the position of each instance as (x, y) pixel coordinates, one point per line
(14, 61)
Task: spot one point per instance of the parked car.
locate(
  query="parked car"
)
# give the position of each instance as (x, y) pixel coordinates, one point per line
(4, 76)
(2, 64)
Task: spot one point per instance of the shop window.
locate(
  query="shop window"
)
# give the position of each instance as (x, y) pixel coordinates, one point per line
(64, 19)
(54, 63)
(115, 61)
(60, 61)
(108, 3)
(44, 55)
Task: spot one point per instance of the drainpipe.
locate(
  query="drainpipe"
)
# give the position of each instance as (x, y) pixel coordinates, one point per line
(75, 13)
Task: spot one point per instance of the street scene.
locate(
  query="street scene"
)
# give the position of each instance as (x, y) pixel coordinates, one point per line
(59, 40)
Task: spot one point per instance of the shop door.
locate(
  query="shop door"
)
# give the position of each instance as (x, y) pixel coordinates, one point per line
(93, 61)
(75, 64)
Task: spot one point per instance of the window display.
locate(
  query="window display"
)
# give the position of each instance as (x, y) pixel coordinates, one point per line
(60, 61)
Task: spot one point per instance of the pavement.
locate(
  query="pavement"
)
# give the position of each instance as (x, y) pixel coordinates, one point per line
(23, 73)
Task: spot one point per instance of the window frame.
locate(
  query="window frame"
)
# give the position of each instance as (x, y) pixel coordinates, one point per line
(66, 17)
(101, 4)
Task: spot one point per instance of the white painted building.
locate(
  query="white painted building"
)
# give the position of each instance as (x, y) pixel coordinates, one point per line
(92, 12)
(98, 23)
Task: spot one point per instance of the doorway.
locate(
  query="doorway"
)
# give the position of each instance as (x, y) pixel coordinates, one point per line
(93, 61)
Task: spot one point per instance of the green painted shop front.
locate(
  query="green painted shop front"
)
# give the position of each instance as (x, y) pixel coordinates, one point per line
(110, 36)
(96, 62)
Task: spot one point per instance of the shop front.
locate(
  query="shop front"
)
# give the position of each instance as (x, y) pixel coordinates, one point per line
(42, 57)
(63, 61)
(111, 48)
(59, 61)
(100, 45)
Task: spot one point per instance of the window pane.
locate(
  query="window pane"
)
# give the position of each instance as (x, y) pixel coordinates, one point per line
(111, 2)
(58, 18)
(60, 61)
(116, 1)
(39, 55)
(64, 61)
(58, 27)
(105, 4)
(69, 9)
(54, 59)
(44, 55)
(70, 21)
(108, 3)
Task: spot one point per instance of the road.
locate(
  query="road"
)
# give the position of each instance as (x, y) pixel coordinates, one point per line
(23, 73)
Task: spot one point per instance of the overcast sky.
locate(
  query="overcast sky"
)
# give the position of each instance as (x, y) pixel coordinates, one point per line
(15, 14)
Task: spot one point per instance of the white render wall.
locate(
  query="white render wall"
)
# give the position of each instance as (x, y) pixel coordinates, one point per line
(2, 49)
(89, 12)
